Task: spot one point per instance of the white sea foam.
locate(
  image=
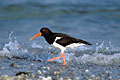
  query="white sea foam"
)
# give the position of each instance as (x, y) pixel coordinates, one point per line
(100, 54)
(12, 48)
(101, 59)
(35, 45)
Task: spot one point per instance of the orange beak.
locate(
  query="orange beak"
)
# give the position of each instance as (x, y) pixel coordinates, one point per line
(35, 36)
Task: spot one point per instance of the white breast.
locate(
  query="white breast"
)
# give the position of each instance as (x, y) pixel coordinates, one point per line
(57, 45)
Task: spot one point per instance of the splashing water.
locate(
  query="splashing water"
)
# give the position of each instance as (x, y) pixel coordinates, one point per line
(13, 48)
(101, 54)
(35, 45)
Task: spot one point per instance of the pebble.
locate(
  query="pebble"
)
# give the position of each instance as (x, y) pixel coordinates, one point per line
(77, 78)
(110, 77)
(33, 75)
(56, 73)
(45, 78)
(44, 71)
(72, 73)
(14, 65)
(2, 67)
(67, 78)
(32, 64)
(46, 67)
(26, 75)
(5, 76)
(93, 76)
(97, 78)
(89, 79)
(87, 70)
(107, 72)
(22, 73)
(19, 76)
(39, 72)
(61, 79)
(102, 74)
(49, 78)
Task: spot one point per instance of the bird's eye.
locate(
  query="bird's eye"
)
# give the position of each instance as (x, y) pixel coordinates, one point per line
(44, 30)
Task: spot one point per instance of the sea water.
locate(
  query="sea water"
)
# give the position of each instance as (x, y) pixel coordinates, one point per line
(95, 21)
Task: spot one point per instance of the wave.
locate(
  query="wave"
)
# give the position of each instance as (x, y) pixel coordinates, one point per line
(102, 54)
(41, 10)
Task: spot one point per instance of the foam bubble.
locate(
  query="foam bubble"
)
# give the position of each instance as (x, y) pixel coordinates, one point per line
(101, 59)
(35, 45)
(103, 53)
(12, 48)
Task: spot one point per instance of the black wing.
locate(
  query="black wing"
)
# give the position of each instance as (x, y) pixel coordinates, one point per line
(66, 40)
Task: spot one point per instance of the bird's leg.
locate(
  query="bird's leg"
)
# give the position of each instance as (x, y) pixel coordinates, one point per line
(64, 62)
(62, 56)
(55, 58)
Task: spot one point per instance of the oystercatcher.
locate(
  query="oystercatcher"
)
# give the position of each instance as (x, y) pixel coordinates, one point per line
(60, 40)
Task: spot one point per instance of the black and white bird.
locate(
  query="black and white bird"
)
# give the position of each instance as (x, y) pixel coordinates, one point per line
(60, 40)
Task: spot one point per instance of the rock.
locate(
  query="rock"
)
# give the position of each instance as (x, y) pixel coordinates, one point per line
(2, 67)
(45, 78)
(77, 78)
(72, 73)
(86, 70)
(32, 64)
(20, 73)
(39, 72)
(56, 73)
(14, 65)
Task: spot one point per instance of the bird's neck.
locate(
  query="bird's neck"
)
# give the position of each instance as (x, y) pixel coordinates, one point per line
(49, 38)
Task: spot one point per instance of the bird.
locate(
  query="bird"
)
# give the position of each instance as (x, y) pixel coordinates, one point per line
(61, 41)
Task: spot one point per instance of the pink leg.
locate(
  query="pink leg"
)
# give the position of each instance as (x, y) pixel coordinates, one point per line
(64, 62)
(55, 58)
(62, 56)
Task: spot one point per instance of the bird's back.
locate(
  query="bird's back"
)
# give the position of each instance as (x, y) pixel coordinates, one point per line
(65, 39)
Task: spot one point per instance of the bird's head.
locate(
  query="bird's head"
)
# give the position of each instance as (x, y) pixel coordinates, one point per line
(43, 32)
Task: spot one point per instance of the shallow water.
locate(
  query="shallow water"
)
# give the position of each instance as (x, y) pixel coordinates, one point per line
(94, 21)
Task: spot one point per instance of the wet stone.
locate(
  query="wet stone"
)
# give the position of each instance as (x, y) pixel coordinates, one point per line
(22, 73)
(14, 65)
(2, 67)
(86, 70)
(56, 73)
(39, 72)
(72, 73)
